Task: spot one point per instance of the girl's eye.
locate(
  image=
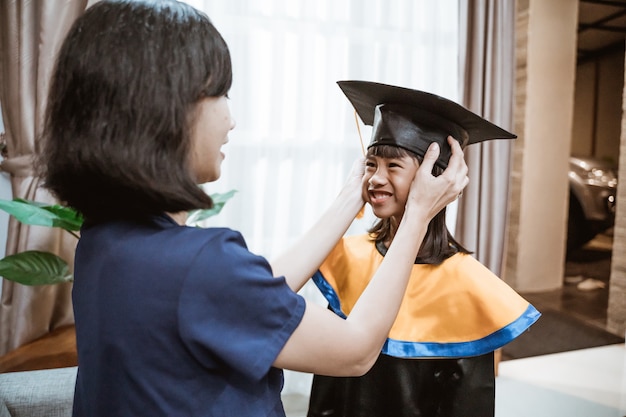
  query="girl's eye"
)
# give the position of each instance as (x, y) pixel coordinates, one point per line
(370, 164)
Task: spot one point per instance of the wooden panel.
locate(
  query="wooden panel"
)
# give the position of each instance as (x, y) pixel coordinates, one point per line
(57, 349)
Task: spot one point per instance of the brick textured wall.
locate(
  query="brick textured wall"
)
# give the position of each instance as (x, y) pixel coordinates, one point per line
(510, 270)
(616, 322)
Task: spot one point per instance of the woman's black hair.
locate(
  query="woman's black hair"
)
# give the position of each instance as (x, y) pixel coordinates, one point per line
(122, 100)
(438, 244)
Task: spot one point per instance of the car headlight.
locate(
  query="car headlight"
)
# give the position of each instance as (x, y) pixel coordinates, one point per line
(600, 177)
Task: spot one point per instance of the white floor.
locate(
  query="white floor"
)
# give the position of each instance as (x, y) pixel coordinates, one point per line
(580, 383)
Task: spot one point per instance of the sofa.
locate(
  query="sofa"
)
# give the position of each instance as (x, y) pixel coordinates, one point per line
(40, 393)
(37, 379)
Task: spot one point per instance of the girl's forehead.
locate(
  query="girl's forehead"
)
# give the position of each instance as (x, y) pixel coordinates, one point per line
(381, 158)
(387, 151)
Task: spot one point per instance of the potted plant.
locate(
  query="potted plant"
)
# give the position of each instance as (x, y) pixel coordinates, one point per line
(34, 267)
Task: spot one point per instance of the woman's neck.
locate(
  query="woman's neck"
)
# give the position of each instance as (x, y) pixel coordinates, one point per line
(180, 217)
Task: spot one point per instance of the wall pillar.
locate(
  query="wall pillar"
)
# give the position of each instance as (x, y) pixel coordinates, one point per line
(616, 314)
(544, 103)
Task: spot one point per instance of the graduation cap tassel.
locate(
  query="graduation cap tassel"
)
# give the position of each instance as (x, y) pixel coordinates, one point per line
(358, 128)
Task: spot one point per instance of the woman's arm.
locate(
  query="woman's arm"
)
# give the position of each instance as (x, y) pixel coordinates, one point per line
(326, 344)
(298, 263)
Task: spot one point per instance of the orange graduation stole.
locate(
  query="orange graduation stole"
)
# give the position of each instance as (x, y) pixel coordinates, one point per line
(456, 309)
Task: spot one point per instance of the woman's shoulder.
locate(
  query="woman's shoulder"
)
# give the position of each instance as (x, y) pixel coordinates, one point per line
(158, 234)
(167, 225)
(216, 239)
(211, 232)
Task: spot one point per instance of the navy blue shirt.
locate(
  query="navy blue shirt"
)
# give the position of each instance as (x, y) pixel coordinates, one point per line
(177, 321)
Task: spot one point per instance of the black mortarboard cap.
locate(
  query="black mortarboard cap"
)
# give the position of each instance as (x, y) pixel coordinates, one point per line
(413, 119)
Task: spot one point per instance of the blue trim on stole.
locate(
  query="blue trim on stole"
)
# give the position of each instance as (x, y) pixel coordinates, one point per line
(495, 340)
(329, 293)
(403, 349)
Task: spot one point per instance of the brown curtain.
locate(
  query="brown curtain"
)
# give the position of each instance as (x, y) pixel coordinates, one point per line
(487, 46)
(30, 35)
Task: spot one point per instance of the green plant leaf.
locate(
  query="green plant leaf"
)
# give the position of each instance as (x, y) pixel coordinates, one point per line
(38, 214)
(219, 200)
(35, 268)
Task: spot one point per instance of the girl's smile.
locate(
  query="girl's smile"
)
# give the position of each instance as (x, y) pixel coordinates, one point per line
(386, 184)
(378, 197)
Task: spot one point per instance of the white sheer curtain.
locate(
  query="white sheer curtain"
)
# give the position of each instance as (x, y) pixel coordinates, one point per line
(296, 136)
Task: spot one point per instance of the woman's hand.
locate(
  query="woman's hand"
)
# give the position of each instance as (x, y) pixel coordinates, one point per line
(430, 194)
(357, 171)
(354, 182)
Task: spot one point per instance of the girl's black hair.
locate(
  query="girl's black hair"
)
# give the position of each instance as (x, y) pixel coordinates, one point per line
(438, 244)
(128, 77)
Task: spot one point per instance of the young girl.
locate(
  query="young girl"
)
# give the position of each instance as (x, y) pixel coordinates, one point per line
(438, 357)
(183, 321)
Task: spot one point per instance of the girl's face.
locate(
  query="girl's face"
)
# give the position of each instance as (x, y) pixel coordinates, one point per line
(209, 132)
(386, 184)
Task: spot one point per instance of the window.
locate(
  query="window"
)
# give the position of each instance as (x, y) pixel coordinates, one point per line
(296, 136)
